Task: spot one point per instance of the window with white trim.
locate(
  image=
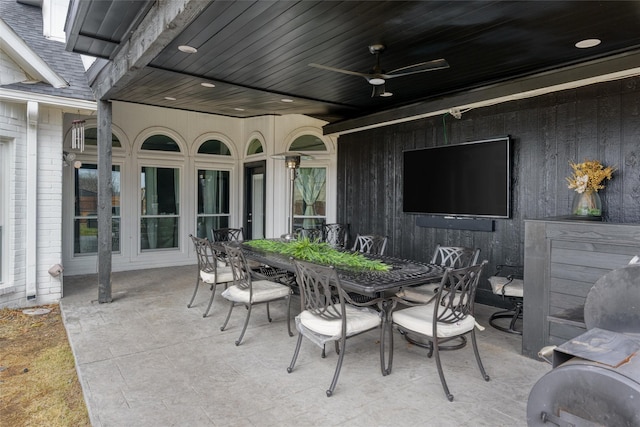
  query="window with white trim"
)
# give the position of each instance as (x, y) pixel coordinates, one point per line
(160, 199)
(213, 200)
(213, 186)
(85, 218)
(310, 193)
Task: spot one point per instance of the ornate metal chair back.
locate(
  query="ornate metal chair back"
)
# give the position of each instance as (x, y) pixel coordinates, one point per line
(455, 256)
(205, 253)
(456, 294)
(370, 244)
(336, 235)
(320, 290)
(227, 234)
(239, 267)
(313, 234)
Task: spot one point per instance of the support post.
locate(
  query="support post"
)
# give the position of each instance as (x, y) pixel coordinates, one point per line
(31, 212)
(105, 202)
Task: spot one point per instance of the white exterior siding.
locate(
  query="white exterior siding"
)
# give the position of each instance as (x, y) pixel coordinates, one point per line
(48, 207)
(49, 202)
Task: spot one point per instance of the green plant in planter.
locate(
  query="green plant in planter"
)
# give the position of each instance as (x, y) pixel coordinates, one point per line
(320, 253)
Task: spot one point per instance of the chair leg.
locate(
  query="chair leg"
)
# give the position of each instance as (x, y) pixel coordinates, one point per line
(513, 315)
(195, 291)
(477, 353)
(440, 372)
(338, 367)
(295, 354)
(232, 304)
(517, 315)
(289, 315)
(386, 367)
(246, 322)
(213, 293)
(268, 313)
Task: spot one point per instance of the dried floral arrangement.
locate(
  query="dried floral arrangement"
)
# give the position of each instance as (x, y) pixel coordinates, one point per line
(588, 176)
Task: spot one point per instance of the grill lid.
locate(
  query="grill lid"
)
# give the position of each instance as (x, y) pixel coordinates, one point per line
(613, 303)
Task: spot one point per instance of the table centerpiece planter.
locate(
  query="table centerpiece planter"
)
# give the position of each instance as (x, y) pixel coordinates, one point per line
(319, 253)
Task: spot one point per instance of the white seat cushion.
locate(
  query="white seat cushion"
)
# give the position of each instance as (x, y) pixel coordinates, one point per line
(263, 290)
(224, 275)
(421, 294)
(420, 319)
(515, 288)
(359, 319)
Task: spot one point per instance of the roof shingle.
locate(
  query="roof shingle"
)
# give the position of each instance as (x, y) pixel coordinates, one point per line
(26, 21)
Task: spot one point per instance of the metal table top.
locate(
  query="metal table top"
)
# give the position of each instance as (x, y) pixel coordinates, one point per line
(372, 283)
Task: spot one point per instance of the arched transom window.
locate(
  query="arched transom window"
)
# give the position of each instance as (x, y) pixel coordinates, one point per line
(214, 146)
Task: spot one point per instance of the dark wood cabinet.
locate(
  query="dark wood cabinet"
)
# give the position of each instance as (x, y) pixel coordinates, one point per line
(562, 259)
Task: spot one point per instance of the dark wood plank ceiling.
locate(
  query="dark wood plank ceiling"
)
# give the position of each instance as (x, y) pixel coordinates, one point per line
(258, 52)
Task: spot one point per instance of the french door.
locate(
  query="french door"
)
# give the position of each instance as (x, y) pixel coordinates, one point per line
(254, 200)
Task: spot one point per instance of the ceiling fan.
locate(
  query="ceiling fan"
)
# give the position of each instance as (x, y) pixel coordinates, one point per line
(377, 77)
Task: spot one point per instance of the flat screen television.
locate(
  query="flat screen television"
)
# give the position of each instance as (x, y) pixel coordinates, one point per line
(472, 179)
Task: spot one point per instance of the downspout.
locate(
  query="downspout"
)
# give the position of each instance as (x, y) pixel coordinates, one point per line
(32, 200)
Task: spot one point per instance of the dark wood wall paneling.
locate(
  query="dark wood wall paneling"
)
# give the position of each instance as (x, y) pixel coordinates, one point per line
(600, 121)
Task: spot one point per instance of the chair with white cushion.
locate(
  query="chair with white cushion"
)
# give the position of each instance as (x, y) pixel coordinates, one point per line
(448, 316)
(212, 269)
(327, 313)
(507, 283)
(444, 256)
(248, 292)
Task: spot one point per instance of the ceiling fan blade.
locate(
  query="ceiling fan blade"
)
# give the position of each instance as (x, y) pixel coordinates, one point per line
(436, 64)
(340, 70)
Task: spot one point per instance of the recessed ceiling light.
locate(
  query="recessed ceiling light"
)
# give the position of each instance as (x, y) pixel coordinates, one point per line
(169, 98)
(286, 100)
(583, 44)
(205, 84)
(239, 109)
(385, 94)
(187, 49)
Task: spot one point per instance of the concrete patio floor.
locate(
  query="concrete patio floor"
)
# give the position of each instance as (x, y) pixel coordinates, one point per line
(147, 360)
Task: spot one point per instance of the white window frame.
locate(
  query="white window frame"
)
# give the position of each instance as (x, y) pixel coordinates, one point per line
(75, 217)
(326, 193)
(219, 168)
(179, 167)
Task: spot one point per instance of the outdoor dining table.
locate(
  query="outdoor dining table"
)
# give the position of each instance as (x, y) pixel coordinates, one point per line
(378, 287)
(375, 284)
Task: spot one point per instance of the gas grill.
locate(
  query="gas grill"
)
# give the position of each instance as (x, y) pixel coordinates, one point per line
(595, 380)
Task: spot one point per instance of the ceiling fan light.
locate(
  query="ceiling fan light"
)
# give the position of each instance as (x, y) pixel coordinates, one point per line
(378, 91)
(376, 81)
